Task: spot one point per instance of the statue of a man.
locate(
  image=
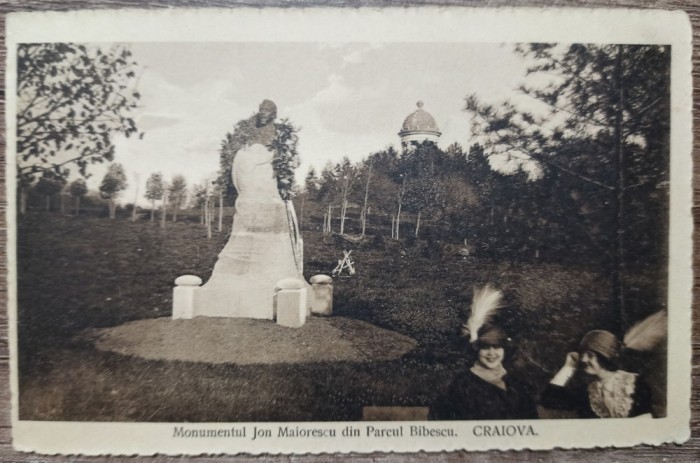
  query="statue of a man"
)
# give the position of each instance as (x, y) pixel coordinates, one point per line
(264, 132)
(251, 171)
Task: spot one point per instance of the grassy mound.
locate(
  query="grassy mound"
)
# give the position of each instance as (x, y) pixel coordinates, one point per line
(245, 341)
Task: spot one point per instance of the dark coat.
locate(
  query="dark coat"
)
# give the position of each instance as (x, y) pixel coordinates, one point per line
(576, 399)
(471, 398)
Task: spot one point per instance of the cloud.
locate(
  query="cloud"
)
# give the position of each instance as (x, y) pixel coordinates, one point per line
(148, 122)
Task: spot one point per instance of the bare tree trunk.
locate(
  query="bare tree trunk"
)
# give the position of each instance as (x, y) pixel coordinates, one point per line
(362, 222)
(393, 226)
(135, 208)
(330, 218)
(417, 224)
(398, 213)
(77, 206)
(398, 221)
(112, 209)
(221, 211)
(63, 203)
(344, 203)
(153, 206)
(176, 206)
(164, 211)
(209, 214)
(364, 205)
(343, 210)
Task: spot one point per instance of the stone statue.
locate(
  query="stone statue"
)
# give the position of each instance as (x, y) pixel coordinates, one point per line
(265, 245)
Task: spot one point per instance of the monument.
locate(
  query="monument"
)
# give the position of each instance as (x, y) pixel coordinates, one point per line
(265, 247)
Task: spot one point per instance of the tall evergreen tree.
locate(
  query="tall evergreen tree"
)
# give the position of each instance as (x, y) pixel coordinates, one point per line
(605, 131)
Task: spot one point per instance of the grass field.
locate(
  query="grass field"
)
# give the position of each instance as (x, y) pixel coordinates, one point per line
(76, 273)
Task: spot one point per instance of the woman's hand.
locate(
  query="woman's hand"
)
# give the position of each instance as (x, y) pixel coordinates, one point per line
(567, 371)
(572, 360)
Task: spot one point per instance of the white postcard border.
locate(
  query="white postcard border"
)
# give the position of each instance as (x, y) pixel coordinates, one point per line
(382, 25)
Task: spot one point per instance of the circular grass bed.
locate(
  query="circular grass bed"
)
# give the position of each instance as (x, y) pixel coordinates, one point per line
(246, 341)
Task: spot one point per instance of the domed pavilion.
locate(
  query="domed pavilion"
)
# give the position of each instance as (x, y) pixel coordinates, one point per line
(418, 127)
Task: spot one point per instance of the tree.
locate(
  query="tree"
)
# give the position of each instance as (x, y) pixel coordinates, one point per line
(164, 208)
(49, 185)
(600, 125)
(345, 172)
(71, 101)
(113, 183)
(135, 206)
(199, 198)
(177, 194)
(78, 189)
(311, 182)
(367, 171)
(424, 188)
(400, 197)
(154, 190)
(219, 192)
(328, 187)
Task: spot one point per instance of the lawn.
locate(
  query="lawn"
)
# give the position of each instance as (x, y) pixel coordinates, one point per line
(76, 273)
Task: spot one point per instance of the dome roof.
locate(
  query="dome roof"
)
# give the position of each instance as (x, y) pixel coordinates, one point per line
(419, 121)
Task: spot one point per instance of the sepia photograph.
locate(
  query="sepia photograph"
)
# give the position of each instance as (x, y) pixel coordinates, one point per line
(348, 242)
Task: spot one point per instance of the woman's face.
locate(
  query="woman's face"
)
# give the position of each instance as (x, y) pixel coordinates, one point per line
(491, 357)
(590, 364)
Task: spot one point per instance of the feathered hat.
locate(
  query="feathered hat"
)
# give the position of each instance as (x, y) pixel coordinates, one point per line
(485, 303)
(643, 336)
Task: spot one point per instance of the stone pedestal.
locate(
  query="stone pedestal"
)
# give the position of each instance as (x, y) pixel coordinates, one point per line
(257, 256)
(183, 295)
(322, 295)
(265, 245)
(290, 303)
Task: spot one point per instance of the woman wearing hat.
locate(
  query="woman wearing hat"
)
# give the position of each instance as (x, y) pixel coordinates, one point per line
(611, 392)
(486, 391)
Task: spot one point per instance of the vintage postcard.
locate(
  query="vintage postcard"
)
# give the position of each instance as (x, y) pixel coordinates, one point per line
(348, 230)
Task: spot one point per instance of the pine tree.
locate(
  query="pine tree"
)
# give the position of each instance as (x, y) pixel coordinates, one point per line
(605, 134)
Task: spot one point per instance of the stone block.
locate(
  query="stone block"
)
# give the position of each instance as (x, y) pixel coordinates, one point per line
(290, 303)
(183, 295)
(322, 295)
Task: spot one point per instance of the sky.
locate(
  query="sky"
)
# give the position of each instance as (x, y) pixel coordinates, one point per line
(348, 99)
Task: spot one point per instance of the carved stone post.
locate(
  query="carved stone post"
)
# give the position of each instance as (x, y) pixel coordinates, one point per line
(183, 296)
(290, 303)
(322, 290)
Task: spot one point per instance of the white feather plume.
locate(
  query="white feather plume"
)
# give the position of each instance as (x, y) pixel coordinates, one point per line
(484, 304)
(645, 335)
